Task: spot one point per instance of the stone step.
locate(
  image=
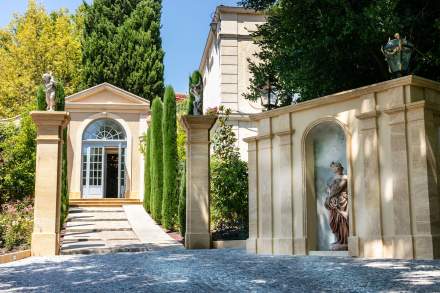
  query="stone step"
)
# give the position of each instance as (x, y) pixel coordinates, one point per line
(91, 230)
(79, 219)
(103, 225)
(104, 210)
(103, 235)
(87, 216)
(104, 250)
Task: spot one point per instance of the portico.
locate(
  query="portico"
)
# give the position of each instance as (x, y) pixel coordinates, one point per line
(104, 158)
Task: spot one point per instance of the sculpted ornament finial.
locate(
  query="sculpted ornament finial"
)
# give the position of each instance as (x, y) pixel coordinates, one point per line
(50, 88)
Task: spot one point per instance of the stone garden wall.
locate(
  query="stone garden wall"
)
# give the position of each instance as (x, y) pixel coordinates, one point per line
(386, 136)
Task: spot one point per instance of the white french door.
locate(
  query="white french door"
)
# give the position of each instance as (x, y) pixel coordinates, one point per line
(94, 172)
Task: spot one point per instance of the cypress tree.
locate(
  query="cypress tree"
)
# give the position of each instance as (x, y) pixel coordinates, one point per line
(182, 202)
(147, 174)
(122, 45)
(157, 157)
(150, 153)
(60, 106)
(41, 99)
(169, 131)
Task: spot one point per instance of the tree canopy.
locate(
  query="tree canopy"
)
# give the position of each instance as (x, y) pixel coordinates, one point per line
(122, 46)
(315, 48)
(32, 44)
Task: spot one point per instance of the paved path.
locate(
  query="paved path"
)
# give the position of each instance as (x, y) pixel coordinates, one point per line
(216, 271)
(147, 230)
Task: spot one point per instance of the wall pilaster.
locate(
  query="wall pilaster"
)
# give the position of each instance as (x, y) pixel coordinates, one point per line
(251, 243)
(423, 144)
(402, 240)
(371, 235)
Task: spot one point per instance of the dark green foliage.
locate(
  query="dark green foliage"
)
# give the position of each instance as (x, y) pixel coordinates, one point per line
(229, 196)
(64, 183)
(59, 97)
(41, 99)
(17, 160)
(315, 48)
(122, 45)
(194, 78)
(157, 160)
(182, 199)
(59, 106)
(190, 104)
(150, 153)
(257, 4)
(169, 131)
(147, 173)
(229, 184)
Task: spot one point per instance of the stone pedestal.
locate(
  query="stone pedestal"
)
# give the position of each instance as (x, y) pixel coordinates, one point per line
(46, 234)
(197, 234)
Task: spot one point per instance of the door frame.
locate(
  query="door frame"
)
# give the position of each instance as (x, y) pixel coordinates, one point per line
(103, 145)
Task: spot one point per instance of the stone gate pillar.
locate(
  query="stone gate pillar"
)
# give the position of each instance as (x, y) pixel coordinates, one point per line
(197, 234)
(46, 233)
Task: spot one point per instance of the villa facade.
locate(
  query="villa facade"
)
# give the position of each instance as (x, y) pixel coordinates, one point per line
(225, 67)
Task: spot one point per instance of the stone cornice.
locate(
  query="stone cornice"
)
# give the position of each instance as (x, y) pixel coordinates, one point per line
(198, 122)
(57, 118)
(367, 115)
(97, 107)
(350, 94)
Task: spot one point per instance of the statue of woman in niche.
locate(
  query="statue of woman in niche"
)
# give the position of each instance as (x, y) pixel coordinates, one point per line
(337, 204)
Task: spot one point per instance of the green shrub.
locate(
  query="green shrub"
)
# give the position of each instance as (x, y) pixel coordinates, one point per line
(169, 132)
(157, 160)
(16, 223)
(229, 185)
(147, 174)
(229, 196)
(182, 199)
(17, 160)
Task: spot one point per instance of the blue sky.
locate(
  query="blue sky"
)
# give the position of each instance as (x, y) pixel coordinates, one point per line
(185, 26)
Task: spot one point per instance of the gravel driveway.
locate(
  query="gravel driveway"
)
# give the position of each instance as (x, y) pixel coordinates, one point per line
(179, 270)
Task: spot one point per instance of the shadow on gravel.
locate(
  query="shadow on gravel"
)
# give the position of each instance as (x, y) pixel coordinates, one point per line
(172, 270)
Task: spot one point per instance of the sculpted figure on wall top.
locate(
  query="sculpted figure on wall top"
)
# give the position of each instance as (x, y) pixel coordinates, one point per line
(336, 203)
(50, 88)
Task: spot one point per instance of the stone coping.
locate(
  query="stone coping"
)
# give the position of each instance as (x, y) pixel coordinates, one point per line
(350, 94)
(198, 121)
(221, 244)
(13, 256)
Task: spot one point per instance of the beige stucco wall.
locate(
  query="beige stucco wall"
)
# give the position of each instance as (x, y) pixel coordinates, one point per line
(113, 104)
(392, 149)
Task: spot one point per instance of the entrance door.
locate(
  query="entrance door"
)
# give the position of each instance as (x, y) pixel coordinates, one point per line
(112, 174)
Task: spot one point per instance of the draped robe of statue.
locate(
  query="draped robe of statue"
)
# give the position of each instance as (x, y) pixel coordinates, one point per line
(337, 205)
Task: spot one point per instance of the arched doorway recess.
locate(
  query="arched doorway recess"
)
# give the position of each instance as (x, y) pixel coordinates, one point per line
(103, 172)
(325, 143)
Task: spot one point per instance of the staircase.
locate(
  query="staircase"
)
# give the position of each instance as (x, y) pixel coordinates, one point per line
(99, 226)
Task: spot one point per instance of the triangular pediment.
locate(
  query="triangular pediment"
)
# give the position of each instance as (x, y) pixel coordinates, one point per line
(106, 94)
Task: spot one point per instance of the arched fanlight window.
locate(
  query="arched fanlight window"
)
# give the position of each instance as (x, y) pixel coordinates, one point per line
(104, 129)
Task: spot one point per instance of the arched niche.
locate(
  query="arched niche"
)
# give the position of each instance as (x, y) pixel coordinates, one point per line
(325, 142)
